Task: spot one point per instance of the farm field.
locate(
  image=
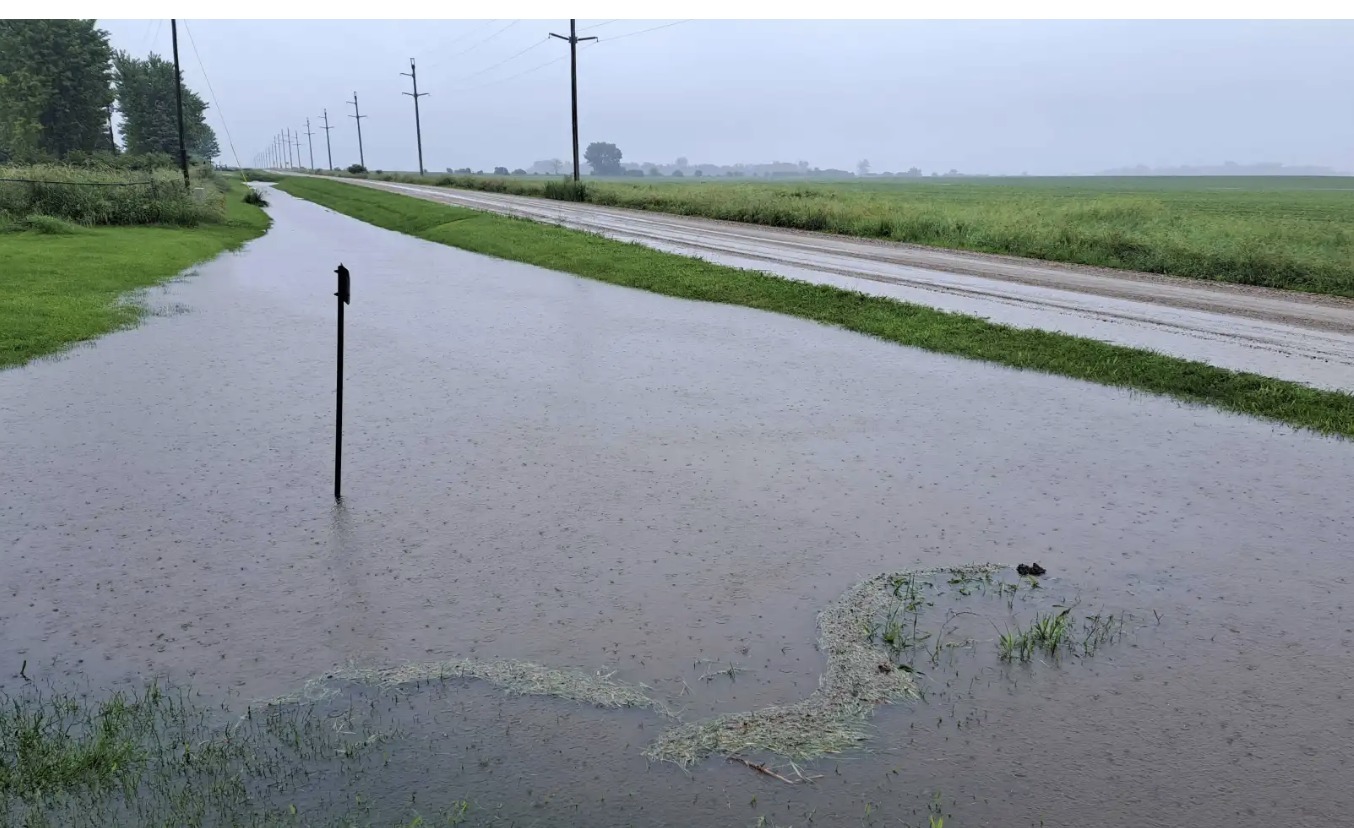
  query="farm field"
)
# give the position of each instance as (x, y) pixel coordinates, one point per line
(1277, 232)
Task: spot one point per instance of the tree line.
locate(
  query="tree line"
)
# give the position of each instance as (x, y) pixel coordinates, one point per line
(59, 83)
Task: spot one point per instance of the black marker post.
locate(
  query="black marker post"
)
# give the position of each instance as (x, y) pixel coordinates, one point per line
(344, 294)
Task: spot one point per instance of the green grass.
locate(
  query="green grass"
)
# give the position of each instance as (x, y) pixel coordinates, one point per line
(161, 756)
(110, 196)
(57, 290)
(1287, 233)
(636, 266)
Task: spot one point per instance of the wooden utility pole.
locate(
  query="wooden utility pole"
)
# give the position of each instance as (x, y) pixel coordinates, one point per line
(358, 116)
(329, 153)
(178, 101)
(412, 74)
(574, 40)
(310, 143)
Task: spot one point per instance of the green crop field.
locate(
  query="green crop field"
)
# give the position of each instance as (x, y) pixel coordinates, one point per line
(1287, 233)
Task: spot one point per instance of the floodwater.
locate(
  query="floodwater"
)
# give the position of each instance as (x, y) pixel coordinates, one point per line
(546, 468)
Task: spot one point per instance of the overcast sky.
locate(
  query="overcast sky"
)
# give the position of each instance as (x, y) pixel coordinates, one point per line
(994, 97)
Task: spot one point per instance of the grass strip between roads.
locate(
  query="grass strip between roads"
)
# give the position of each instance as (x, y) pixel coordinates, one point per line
(63, 283)
(636, 266)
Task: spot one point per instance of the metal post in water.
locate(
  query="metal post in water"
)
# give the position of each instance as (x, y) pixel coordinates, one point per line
(344, 294)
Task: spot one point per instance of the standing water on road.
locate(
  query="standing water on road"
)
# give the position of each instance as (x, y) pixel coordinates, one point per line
(542, 468)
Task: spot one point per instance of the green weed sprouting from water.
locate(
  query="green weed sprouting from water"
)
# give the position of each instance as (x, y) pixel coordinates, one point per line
(1054, 634)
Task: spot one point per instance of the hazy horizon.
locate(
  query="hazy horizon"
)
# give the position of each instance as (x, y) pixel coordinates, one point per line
(994, 97)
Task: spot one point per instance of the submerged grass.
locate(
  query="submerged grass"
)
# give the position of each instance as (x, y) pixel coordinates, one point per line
(162, 757)
(640, 267)
(521, 678)
(62, 284)
(1288, 233)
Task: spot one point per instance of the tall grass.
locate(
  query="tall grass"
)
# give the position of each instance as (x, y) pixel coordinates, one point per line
(1294, 235)
(110, 196)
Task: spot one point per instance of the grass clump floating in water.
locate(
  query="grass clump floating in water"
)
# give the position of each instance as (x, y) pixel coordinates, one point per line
(860, 674)
(520, 678)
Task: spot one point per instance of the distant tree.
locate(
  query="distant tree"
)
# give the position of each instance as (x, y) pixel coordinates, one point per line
(54, 88)
(682, 163)
(605, 159)
(698, 173)
(519, 171)
(679, 174)
(463, 171)
(863, 167)
(556, 166)
(913, 172)
(653, 171)
(356, 168)
(500, 170)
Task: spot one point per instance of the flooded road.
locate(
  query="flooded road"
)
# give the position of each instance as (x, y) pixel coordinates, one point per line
(542, 467)
(1301, 337)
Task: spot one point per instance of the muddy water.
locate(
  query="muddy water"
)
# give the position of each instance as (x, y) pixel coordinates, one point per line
(546, 468)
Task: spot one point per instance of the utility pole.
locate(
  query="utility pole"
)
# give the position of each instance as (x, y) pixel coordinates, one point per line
(412, 74)
(328, 152)
(286, 139)
(178, 100)
(311, 143)
(573, 39)
(296, 136)
(358, 116)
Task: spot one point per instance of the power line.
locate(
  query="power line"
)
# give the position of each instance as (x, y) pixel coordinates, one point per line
(598, 25)
(524, 73)
(442, 59)
(553, 61)
(220, 110)
(646, 31)
(538, 43)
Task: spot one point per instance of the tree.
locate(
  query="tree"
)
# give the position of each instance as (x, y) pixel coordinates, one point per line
(653, 170)
(201, 142)
(698, 173)
(54, 88)
(605, 159)
(682, 163)
(863, 167)
(519, 171)
(679, 174)
(500, 170)
(145, 90)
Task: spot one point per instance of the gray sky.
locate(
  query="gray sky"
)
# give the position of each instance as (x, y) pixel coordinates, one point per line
(996, 97)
